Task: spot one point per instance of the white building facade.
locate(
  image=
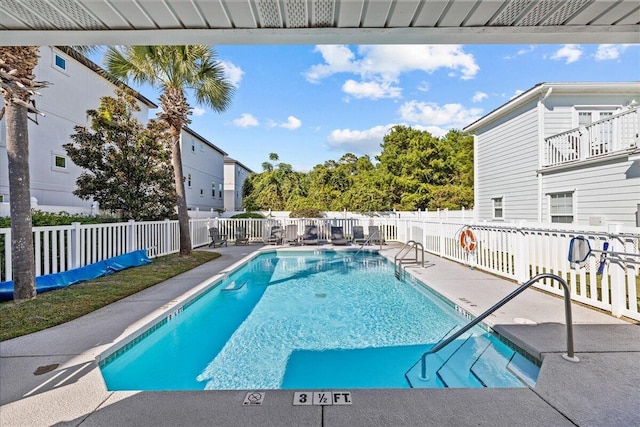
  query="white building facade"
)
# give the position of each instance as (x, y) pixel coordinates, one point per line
(235, 174)
(561, 152)
(77, 84)
(203, 168)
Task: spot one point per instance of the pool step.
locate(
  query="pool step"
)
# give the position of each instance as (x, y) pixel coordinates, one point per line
(433, 362)
(524, 369)
(234, 286)
(490, 368)
(456, 371)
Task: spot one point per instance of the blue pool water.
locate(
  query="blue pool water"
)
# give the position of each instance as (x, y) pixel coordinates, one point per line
(304, 320)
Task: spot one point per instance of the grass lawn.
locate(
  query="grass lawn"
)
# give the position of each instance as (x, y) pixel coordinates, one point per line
(62, 305)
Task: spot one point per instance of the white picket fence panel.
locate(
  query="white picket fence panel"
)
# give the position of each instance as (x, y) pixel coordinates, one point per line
(513, 251)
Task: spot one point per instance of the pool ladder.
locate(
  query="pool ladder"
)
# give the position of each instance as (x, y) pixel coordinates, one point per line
(401, 257)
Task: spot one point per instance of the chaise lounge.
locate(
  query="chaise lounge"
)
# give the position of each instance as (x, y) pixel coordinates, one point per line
(337, 236)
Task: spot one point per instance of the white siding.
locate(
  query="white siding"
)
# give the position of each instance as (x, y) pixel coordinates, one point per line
(609, 190)
(234, 177)
(65, 103)
(206, 165)
(507, 159)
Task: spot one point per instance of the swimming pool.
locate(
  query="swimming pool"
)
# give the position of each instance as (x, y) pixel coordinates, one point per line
(318, 319)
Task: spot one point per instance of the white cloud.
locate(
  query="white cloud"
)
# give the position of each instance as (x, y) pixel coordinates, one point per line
(197, 111)
(359, 141)
(517, 93)
(608, 52)
(371, 90)
(246, 120)
(291, 123)
(423, 87)
(479, 96)
(521, 52)
(444, 117)
(232, 72)
(382, 65)
(569, 53)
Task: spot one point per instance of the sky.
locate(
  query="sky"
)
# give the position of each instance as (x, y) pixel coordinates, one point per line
(310, 104)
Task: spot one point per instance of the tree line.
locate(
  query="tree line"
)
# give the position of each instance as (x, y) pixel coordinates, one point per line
(414, 170)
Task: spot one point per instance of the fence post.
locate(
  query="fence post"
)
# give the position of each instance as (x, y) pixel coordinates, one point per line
(7, 257)
(131, 236)
(617, 275)
(441, 238)
(75, 245)
(167, 247)
(521, 254)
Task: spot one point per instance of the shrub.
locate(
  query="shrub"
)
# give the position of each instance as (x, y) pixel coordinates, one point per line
(306, 213)
(256, 215)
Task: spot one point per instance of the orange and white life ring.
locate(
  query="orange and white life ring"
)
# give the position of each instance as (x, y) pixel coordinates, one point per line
(467, 240)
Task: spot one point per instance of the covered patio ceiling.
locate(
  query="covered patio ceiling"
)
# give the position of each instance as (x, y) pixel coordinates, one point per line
(79, 22)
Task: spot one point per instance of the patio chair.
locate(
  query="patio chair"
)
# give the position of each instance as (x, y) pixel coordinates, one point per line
(310, 236)
(242, 238)
(358, 235)
(291, 235)
(375, 235)
(337, 236)
(216, 237)
(275, 236)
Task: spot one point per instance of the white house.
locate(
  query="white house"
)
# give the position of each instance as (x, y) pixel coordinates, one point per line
(77, 84)
(203, 168)
(235, 174)
(561, 152)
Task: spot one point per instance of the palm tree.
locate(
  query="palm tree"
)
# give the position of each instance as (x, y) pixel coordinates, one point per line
(174, 69)
(17, 86)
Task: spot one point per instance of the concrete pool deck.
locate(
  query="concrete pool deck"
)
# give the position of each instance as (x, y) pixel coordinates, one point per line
(603, 389)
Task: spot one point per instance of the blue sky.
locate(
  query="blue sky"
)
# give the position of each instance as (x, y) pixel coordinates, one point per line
(310, 104)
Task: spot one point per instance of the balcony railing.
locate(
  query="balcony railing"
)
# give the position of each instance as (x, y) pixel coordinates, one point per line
(613, 134)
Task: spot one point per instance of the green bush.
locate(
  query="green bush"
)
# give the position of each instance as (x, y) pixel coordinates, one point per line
(43, 219)
(256, 215)
(306, 213)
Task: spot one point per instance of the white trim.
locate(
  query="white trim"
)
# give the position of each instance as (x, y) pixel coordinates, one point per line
(57, 54)
(54, 167)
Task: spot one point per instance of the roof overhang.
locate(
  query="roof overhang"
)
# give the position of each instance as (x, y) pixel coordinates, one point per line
(99, 22)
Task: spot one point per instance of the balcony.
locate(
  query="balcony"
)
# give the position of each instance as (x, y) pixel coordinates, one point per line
(615, 134)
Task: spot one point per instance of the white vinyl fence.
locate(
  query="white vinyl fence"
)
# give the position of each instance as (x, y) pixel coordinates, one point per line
(513, 251)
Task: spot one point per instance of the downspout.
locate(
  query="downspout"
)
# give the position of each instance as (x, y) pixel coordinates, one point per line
(541, 110)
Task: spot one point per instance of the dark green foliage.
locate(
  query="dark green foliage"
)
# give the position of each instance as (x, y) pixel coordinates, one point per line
(126, 166)
(415, 170)
(306, 213)
(255, 215)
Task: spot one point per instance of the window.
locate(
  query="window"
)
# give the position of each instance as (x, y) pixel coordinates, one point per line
(193, 146)
(220, 190)
(60, 62)
(498, 211)
(201, 192)
(561, 207)
(213, 189)
(58, 162)
(189, 180)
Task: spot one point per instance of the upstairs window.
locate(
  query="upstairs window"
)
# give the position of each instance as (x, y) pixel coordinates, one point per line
(58, 162)
(213, 189)
(561, 207)
(59, 62)
(498, 211)
(189, 180)
(193, 146)
(220, 190)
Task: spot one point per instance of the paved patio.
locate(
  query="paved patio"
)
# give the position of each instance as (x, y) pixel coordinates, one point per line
(603, 389)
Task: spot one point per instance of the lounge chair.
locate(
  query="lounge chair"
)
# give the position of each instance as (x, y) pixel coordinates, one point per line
(375, 235)
(216, 237)
(242, 238)
(337, 236)
(310, 236)
(358, 235)
(291, 235)
(275, 236)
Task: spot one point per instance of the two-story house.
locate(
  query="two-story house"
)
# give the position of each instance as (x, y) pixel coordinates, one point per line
(76, 85)
(203, 168)
(235, 174)
(561, 152)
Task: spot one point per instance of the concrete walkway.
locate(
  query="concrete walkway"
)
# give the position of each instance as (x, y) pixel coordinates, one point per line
(52, 378)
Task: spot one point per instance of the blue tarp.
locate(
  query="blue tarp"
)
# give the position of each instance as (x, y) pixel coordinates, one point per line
(50, 282)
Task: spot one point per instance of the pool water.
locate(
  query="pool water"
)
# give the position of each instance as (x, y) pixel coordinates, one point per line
(299, 320)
